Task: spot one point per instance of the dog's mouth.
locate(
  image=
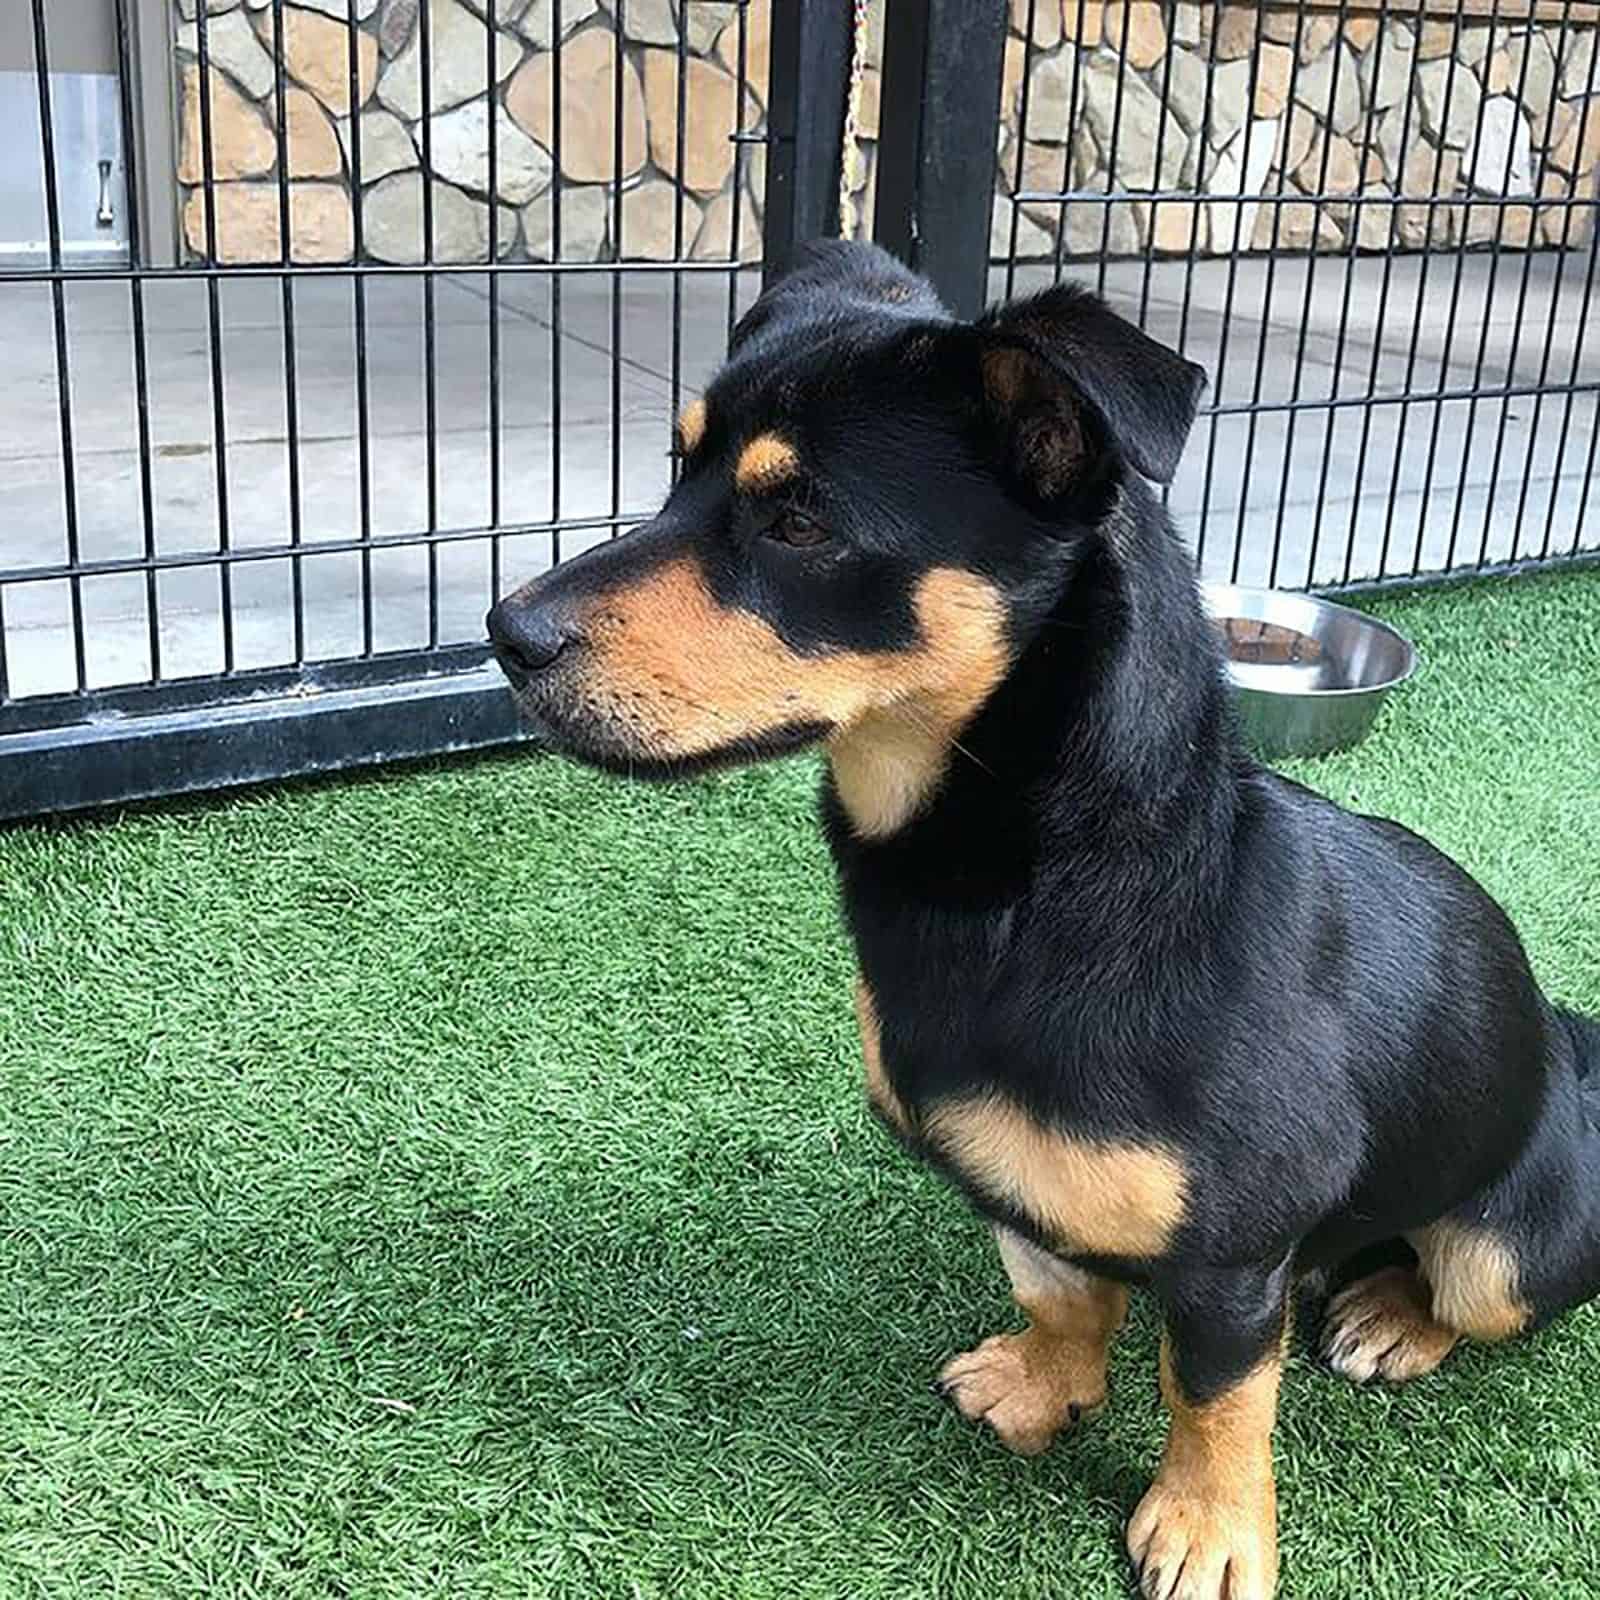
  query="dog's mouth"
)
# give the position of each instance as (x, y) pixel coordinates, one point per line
(607, 733)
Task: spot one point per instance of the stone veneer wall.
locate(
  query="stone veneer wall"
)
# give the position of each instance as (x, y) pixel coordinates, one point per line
(1508, 110)
(1516, 93)
(316, 141)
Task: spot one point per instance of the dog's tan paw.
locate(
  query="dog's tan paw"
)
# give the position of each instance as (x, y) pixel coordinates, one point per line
(1383, 1327)
(1188, 1547)
(1021, 1387)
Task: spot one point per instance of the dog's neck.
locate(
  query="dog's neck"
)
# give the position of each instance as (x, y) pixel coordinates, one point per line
(889, 766)
(1105, 733)
(885, 769)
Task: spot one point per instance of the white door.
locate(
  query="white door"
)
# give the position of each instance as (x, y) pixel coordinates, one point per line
(86, 130)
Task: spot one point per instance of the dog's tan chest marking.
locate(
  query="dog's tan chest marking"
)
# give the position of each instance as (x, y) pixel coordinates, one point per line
(1089, 1197)
(888, 763)
(1110, 1198)
(884, 769)
(691, 426)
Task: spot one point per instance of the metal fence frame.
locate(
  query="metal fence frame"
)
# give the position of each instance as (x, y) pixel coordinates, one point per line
(942, 74)
(93, 747)
(1464, 556)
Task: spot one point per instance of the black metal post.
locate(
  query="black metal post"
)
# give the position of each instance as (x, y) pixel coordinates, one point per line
(942, 63)
(810, 82)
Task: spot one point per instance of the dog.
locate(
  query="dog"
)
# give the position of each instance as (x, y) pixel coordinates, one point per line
(1168, 1019)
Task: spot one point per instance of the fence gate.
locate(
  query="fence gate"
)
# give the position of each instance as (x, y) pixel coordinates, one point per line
(1371, 221)
(327, 320)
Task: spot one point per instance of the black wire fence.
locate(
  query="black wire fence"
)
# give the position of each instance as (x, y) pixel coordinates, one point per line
(1373, 225)
(435, 287)
(403, 306)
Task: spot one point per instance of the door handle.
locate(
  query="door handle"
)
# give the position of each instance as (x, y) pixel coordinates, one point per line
(104, 216)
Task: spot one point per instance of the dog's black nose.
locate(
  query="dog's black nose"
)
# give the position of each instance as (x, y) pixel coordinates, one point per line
(526, 638)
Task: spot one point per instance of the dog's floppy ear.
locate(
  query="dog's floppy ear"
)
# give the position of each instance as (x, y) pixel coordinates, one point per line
(1068, 380)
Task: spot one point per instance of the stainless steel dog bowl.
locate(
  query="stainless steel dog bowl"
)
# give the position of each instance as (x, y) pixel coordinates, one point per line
(1308, 675)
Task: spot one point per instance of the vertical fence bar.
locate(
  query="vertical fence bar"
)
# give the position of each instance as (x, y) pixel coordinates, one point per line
(1337, 49)
(358, 307)
(1457, 278)
(1227, 327)
(1529, 250)
(680, 127)
(1160, 187)
(1483, 348)
(219, 422)
(1567, 423)
(1459, 224)
(492, 81)
(291, 401)
(1594, 433)
(430, 387)
(1114, 174)
(619, 66)
(942, 67)
(1462, 218)
(736, 210)
(1070, 134)
(903, 105)
(1017, 181)
(1194, 237)
(555, 285)
(1574, 205)
(1415, 342)
(1379, 319)
(1341, 341)
(806, 96)
(58, 306)
(1592, 204)
(132, 198)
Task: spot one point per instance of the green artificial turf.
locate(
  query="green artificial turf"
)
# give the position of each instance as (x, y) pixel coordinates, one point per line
(458, 1183)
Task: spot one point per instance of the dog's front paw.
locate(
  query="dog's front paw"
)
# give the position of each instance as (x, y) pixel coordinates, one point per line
(1024, 1385)
(1187, 1546)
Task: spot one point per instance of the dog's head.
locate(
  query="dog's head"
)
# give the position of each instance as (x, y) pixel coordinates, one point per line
(878, 505)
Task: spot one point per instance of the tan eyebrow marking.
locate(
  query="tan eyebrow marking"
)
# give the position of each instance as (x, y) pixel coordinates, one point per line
(765, 462)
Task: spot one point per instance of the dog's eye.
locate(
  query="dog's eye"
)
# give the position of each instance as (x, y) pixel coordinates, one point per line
(796, 528)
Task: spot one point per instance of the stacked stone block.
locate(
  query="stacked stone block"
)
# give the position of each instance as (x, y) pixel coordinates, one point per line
(612, 184)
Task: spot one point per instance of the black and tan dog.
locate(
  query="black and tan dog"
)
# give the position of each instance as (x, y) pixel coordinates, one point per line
(1167, 1018)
